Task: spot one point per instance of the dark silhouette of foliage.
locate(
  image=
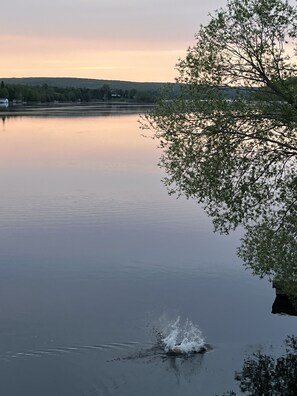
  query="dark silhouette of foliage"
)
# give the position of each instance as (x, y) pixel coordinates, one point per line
(238, 157)
(265, 375)
(229, 138)
(46, 93)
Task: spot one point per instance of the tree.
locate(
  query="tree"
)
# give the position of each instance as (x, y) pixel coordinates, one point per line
(106, 92)
(4, 92)
(273, 253)
(229, 139)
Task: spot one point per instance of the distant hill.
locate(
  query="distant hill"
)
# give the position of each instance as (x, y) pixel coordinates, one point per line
(90, 83)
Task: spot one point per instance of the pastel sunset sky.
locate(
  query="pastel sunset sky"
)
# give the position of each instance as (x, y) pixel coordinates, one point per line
(137, 40)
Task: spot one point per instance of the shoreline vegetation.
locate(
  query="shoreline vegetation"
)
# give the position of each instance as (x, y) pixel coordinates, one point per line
(60, 90)
(75, 90)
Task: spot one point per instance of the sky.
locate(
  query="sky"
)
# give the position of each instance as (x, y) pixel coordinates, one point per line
(132, 40)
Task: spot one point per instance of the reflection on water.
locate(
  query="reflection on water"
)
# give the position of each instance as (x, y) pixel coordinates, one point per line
(263, 374)
(74, 110)
(182, 367)
(93, 251)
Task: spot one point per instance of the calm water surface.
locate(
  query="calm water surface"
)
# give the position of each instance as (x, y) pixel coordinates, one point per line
(95, 255)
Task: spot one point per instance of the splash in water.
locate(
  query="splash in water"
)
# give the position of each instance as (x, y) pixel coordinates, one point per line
(181, 338)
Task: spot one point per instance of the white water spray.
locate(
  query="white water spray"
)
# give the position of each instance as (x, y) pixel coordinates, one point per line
(182, 338)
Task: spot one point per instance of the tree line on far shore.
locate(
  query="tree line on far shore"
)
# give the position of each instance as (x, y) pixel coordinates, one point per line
(46, 94)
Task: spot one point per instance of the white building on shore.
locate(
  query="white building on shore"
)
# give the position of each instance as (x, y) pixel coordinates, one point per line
(4, 102)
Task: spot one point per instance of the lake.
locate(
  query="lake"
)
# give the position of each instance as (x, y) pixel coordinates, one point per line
(97, 260)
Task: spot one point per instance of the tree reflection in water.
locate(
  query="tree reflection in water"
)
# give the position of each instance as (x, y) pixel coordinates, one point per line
(272, 253)
(264, 375)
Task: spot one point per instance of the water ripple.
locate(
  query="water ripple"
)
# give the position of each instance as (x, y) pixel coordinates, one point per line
(89, 211)
(61, 351)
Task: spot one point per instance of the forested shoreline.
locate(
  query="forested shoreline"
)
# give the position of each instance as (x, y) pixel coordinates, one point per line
(20, 93)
